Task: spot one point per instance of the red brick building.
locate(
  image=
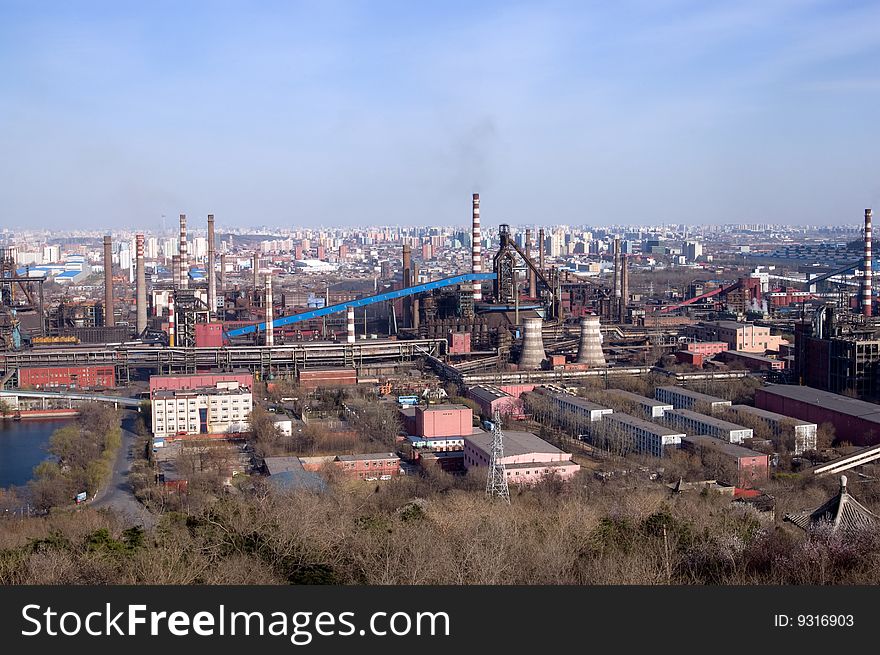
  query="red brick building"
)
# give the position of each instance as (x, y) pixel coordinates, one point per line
(71, 377)
(752, 467)
(370, 466)
(198, 381)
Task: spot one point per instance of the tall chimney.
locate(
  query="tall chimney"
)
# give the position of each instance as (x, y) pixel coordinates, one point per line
(477, 248)
(414, 309)
(212, 275)
(109, 319)
(533, 281)
(171, 319)
(141, 285)
(867, 269)
(175, 271)
(184, 255)
(270, 312)
(617, 270)
(349, 315)
(624, 287)
(541, 249)
(590, 348)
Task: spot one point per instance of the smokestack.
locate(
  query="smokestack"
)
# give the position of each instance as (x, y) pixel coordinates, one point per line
(533, 344)
(590, 348)
(270, 312)
(184, 256)
(175, 271)
(171, 320)
(867, 269)
(350, 324)
(541, 249)
(141, 285)
(533, 281)
(212, 276)
(624, 286)
(477, 248)
(617, 269)
(109, 319)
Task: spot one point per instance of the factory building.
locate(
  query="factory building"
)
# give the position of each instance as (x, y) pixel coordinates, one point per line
(855, 421)
(222, 409)
(693, 423)
(491, 400)
(681, 398)
(527, 459)
(444, 420)
(645, 436)
(746, 337)
(68, 377)
(784, 428)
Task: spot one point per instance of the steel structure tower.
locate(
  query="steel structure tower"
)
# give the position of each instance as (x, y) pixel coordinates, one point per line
(496, 483)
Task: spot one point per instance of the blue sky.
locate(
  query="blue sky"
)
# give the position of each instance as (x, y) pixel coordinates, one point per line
(329, 113)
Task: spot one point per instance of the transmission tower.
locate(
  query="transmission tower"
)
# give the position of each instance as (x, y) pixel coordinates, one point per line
(496, 484)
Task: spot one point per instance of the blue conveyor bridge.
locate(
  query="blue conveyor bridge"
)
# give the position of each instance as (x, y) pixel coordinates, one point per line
(362, 302)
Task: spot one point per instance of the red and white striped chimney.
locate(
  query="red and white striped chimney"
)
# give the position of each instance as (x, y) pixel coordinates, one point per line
(350, 324)
(477, 254)
(171, 320)
(184, 256)
(270, 312)
(867, 268)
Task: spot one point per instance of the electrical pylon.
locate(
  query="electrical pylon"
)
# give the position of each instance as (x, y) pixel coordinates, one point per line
(496, 483)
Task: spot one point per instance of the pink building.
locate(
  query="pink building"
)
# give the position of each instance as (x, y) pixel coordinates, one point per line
(492, 399)
(444, 420)
(527, 459)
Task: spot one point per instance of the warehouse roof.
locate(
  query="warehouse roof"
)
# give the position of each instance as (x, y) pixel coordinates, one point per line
(770, 416)
(696, 395)
(515, 443)
(825, 399)
(724, 446)
(649, 426)
(706, 420)
(488, 393)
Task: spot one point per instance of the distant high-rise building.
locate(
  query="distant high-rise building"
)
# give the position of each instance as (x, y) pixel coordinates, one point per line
(693, 250)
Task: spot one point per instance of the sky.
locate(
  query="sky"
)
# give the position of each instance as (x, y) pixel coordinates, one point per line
(367, 112)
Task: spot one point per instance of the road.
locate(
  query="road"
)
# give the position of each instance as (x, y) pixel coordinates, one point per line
(117, 494)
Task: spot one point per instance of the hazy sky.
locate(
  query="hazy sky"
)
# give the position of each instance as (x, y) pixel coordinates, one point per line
(329, 113)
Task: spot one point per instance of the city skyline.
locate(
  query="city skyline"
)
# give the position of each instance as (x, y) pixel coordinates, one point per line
(391, 114)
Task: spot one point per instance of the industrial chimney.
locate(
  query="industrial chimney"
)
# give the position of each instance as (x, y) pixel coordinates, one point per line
(476, 248)
(533, 281)
(270, 312)
(109, 319)
(590, 349)
(541, 249)
(212, 275)
(533, 344)
(349, 315)
(624, 287)
(223, 273)
(616, 286)
(184, 256)
(141, 285)
(175, 271)
(171, 319)
(867, 269)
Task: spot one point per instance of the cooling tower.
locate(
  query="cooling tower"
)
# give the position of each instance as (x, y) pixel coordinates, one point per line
(533, 344)
(590, 349)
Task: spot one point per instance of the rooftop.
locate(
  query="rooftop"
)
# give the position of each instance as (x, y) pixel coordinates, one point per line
(487, 392)
(696, 395)
(842, 511)
(366, 457)
(719, 444)
(770, 416)
(827, 400)
(649, 426)
(445, 407)
(515, 443)
(706, 420)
